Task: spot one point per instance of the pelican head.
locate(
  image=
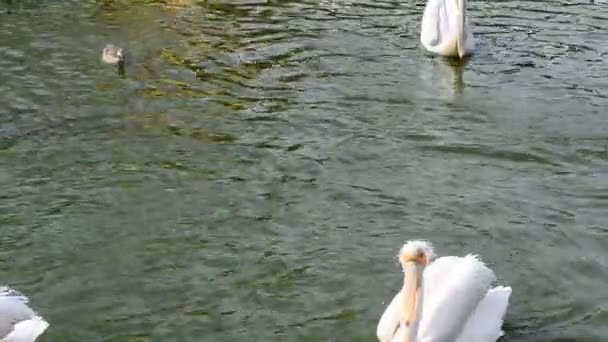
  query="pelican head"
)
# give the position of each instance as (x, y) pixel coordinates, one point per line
(420, 252)
(413, 256)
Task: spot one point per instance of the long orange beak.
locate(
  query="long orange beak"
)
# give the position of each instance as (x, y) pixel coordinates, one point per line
(410, 285)
(409, 293)
(461, 25)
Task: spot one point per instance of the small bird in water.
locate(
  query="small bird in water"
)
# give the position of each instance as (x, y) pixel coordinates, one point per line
(18, 323)
(112, 54)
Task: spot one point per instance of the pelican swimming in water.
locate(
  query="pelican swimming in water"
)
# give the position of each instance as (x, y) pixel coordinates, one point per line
(18, 323)
(445, 28)
(448, 301)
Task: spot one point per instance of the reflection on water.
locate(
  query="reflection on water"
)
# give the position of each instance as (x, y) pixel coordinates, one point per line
(259, 164)
(456, 70)
(445, 75)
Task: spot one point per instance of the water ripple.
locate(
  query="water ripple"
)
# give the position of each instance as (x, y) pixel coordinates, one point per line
(255, 153)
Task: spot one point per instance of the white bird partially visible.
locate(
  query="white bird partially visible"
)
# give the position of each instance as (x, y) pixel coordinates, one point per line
(445, 28)
(448, 301)
(18, 323)
(112, 54)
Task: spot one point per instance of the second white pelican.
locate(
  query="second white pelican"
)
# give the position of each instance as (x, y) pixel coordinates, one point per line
(445, 29)
(18, 323)
(448, 301)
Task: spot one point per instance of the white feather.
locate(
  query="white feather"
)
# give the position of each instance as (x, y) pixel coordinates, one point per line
(413, 247)
(453, 287)
(458, 304)
(485, 323)
(439, 28)
(389, 321)
(18, 322)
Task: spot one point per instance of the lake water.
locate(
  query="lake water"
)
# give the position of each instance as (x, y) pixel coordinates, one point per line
(253, 174)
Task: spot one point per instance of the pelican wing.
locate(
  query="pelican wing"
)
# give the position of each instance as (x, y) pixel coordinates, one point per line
(390, 320)
(13, 309)
(453, 289)
(440, 27)
(486, 322)
(17, 321)
(430, 31)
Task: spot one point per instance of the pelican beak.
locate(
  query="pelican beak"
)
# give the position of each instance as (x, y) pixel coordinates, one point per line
(410, 286)
(461, 52)
(461, 23)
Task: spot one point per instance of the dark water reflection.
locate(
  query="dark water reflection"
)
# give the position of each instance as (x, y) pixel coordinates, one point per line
(254, 173)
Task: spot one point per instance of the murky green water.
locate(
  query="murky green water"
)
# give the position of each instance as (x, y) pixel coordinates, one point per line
(254, 173)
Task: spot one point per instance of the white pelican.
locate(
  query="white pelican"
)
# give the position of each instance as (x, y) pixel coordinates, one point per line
(445, 28)
(448, 301)
(18, 323)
